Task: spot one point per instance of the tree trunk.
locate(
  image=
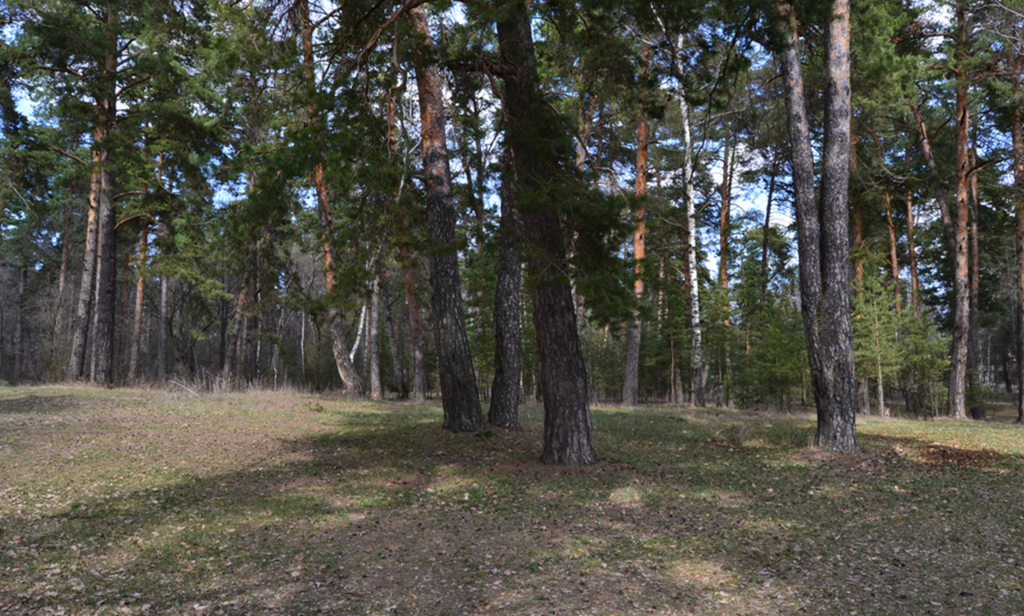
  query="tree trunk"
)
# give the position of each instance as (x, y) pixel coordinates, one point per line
(140, 292)
(250, 318)
(1017, 138)
(102, 369)
(419, 363)
(698, 374)
(396, 358)
(894, 263)
(19, 328)
(911, 248)
(961, 270)
(723, 271)
(106, 280)
(87, 291)
(350, 379)
(508, 344)
(824, 245)
(529, 129)
(164, 325)
(455, 366)
(956, 238)
(975, 407)
(373, 342)
(766, 230)
(631, 380)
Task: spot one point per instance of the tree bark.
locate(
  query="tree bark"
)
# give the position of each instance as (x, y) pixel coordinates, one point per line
(419, 364)
(824, 243)
(455, 366)
(894, 264)
(975, 407)
(530, 128)
(631, 380)
(102, 369)
(1017, 139)
(396, 358)
(350, 379)
(164, 325)
(19, 328)
(698, 374)
(508, 344)
(961, 263)
(106, 280)
(766, 230)
(911, 248)
(87, 290)
(140, 292)
(373, 342)
(723, 270)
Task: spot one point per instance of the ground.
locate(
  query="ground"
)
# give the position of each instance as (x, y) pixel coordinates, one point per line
(156, 502)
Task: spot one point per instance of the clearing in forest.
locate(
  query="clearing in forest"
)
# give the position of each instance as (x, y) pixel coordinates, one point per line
(144, 502)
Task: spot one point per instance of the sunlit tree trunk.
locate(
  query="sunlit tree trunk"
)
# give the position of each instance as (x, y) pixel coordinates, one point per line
(102, 368)
(164, 327)
(1017, 137)
(373, 342)
(823, 241)
(698, 372)
(961, 264)
(631, 380)
(350, 379)
(140, 294)
(455, 367)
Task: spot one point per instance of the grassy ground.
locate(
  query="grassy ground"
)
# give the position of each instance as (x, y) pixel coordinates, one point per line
(140, 502)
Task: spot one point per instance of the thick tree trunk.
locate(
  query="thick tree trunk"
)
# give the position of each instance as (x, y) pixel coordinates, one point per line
(140, 293)
(1017, 138)
(455, 366)
(87, 291)
(106, 280)
(631, 380)
(529, 130)
(373, 342)
(698, 373)
(824, 244)
(102, 368)
(961, 263)
(508, 344)
(975, 407)
(723, 272)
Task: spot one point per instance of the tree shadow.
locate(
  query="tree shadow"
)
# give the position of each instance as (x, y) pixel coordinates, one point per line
(391, 514)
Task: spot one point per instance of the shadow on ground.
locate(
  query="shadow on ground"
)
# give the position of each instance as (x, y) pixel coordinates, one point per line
(384, 512)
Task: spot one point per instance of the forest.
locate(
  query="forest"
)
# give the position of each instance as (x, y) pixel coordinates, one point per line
(733, 203)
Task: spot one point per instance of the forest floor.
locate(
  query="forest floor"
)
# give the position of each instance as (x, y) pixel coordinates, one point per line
(149, 502)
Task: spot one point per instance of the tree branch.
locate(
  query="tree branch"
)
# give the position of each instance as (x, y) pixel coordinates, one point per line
(54, 148)
(137, 82)
(130, 193)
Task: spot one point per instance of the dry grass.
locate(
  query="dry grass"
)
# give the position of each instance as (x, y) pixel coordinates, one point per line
(144, 502)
